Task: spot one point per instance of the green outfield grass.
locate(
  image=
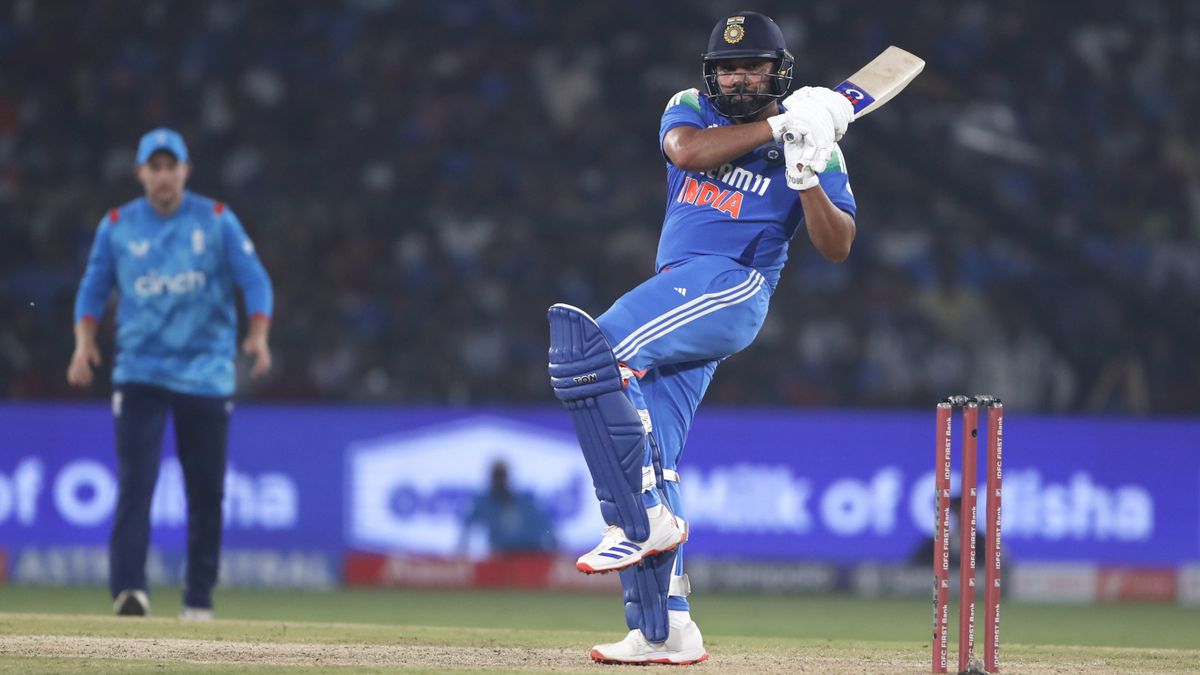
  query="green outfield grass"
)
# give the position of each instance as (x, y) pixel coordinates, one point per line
(67, 629)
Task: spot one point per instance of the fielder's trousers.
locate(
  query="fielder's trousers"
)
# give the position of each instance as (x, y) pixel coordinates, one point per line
(201, 433)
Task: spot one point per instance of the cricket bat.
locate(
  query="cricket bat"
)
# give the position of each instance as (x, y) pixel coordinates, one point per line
(877, 82)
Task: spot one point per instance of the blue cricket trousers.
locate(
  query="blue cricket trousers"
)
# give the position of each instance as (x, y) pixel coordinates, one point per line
(673, 330)
(201, 435)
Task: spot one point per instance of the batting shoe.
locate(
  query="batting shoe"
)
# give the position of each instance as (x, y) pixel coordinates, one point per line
(132, 602)
(684, 645)
(616, 551)
(196, 614)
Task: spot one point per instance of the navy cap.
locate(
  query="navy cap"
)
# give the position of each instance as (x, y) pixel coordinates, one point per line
(161, 138)
(745, 35)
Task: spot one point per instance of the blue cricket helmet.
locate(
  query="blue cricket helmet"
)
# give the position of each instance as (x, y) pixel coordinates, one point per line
(747, 35)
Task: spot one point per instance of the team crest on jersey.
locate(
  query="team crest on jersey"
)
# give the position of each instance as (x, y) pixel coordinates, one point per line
(734, 30)
(197, 241)
(139, 248)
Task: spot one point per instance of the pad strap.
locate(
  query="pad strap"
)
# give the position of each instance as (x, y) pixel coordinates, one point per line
(681, 586)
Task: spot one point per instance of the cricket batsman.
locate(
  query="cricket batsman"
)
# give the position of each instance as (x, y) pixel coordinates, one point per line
(175, 258)
(633, 378)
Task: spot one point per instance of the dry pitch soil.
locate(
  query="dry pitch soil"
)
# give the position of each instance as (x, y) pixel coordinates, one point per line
(226, 653)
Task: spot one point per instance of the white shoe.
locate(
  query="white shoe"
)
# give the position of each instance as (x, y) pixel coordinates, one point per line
(196, 614)
(684, 645)
(616, 551)
(132, 602)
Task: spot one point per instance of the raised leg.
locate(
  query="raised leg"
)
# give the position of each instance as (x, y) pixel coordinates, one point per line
(586, 379)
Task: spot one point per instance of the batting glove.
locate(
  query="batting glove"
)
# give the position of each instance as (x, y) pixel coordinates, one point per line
(801, 158)
(780, 126)
(784, 124)
(794, 98)
(811, 123)
(841, 111)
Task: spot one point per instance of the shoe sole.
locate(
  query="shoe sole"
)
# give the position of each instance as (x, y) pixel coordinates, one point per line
(588, 569)
(601, 658)
(131, 607)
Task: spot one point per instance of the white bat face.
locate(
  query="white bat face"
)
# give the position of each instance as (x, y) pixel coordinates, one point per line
(877, 82)
(881, 79)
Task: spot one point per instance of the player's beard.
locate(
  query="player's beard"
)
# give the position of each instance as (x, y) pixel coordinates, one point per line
(745, 106)
(739, 102)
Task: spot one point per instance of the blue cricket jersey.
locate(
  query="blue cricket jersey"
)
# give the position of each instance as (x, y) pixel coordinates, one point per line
(743, 209)
(176, 315)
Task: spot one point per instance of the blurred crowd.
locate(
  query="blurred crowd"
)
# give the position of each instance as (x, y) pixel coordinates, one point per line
(424, 178)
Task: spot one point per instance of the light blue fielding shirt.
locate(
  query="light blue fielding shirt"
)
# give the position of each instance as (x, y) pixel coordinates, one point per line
(742, 210)
(176, 314)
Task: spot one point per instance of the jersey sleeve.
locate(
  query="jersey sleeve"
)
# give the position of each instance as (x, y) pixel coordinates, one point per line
(98, 278)
(835, 181)
(682, 110)
(248, 271)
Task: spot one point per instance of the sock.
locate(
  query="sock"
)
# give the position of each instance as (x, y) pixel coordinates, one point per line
(650, 498)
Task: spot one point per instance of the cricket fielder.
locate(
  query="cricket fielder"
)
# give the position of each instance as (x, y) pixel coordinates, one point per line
(633, 378)
(174, 258)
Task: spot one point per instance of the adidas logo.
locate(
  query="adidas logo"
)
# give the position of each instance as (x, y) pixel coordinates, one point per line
(681, 291)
